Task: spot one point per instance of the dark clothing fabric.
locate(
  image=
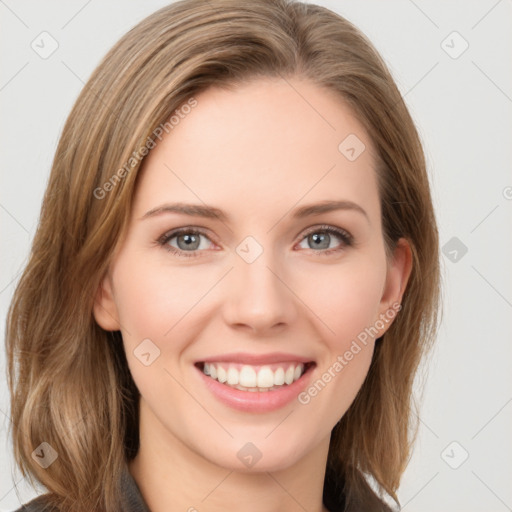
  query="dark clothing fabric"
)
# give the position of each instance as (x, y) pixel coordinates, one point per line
(134, 502)
(132, 497)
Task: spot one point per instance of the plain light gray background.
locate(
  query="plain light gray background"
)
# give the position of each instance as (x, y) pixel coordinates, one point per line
(462, 104)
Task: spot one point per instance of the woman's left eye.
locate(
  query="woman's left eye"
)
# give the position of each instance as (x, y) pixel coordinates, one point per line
(321, 238)
(188, 242)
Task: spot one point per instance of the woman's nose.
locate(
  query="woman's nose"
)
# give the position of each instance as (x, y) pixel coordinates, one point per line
(258, 296)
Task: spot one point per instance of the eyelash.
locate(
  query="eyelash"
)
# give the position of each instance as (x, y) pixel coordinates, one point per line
(346, 238)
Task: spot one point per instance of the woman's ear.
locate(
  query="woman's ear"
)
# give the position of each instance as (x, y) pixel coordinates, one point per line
(105, 309)
(398, 273)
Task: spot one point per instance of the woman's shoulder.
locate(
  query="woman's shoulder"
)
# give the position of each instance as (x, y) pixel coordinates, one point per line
(131, 497)
(38, 504)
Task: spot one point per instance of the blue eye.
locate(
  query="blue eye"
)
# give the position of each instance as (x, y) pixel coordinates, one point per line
(189, 241)
(320, 237)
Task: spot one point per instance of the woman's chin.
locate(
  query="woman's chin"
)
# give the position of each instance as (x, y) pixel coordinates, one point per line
(252, 465)
(256, 457)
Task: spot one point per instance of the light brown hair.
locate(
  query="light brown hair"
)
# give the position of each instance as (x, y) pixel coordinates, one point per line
(69, 381)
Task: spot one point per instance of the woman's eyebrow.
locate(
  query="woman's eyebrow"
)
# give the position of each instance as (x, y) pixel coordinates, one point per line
(211, 212)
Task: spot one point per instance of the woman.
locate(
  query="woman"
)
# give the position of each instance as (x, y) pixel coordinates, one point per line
(235, 275)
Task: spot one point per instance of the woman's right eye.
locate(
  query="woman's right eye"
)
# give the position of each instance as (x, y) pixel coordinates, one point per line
(184, 242)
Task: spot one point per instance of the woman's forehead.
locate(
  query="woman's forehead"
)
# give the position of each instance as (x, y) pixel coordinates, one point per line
(268, 141)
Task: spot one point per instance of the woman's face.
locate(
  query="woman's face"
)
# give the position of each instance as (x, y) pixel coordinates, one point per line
(278, 296)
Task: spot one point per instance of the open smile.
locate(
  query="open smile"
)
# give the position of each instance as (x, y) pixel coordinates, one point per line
(253, 387)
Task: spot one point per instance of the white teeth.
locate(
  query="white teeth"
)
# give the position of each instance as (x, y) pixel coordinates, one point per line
(288, 376)
(221, 374)
(279, 377)
(233, 377)
(266, 377)
(249, 378)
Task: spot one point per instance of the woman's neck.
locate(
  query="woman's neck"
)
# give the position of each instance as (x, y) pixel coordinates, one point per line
(172, 477)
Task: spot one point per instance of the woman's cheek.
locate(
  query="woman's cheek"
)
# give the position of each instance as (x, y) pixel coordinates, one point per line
(153, 297)
(347, 301)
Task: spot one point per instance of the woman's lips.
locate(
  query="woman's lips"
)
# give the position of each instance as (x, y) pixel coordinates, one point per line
(257, 401)
(257, 359)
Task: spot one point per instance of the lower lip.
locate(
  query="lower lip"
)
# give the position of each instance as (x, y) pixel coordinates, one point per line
(256, 401)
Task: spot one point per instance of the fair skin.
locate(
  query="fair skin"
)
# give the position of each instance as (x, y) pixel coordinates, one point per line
(258, 152)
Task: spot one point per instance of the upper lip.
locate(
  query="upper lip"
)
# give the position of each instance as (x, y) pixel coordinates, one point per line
(256, 359)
